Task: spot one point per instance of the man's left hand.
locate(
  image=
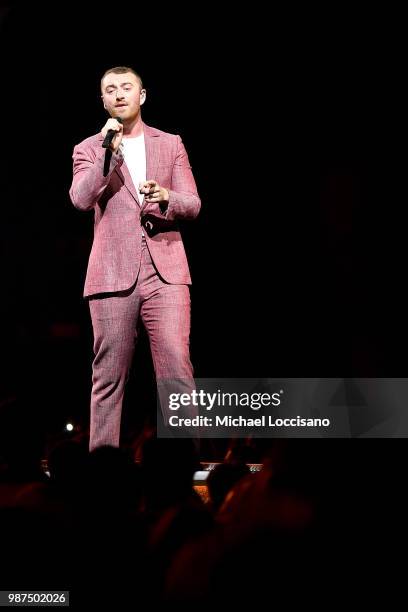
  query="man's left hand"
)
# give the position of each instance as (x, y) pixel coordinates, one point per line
(153, 192)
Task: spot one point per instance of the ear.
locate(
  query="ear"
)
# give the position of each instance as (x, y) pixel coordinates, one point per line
(142, 96)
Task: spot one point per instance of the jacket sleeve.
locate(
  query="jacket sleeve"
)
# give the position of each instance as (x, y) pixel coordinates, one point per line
(88, 181)
(184, 201)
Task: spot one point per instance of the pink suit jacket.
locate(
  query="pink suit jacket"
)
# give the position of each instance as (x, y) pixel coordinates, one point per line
(115, 257)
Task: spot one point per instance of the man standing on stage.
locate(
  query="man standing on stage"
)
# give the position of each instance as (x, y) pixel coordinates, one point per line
(138, 189)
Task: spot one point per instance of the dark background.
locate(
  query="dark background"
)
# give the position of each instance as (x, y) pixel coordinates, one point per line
(295, 129)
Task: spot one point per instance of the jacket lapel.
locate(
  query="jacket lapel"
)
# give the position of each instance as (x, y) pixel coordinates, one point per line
(124, 174)
(152, 144)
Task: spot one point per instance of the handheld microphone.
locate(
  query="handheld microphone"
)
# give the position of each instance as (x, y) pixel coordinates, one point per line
(110, 134)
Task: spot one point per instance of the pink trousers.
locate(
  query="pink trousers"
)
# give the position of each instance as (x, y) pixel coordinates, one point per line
(165, 312)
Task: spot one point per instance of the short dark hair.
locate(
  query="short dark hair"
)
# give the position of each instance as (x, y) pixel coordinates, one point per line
(122, 70)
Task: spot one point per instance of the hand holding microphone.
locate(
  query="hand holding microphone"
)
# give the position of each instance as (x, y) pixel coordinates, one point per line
(112, 132)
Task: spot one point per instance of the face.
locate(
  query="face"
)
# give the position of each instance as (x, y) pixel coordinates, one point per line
(122, 95)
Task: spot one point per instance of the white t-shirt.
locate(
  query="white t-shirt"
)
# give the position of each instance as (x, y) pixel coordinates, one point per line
(134, 153)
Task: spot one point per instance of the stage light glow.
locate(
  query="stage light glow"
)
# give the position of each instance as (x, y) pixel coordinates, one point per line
(69, 427)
